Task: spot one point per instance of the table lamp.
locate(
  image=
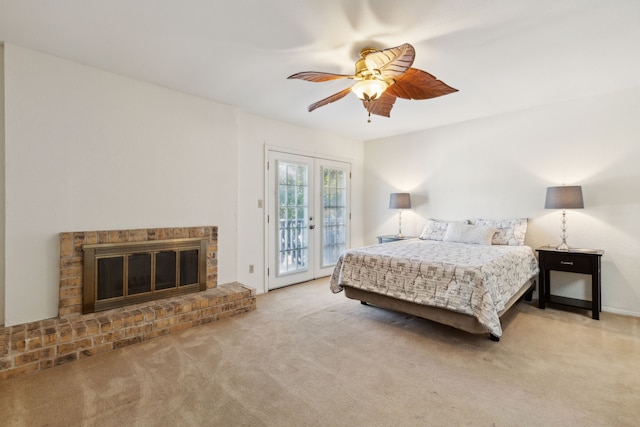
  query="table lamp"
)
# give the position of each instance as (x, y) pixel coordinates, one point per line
(400, 201)
(564, 197)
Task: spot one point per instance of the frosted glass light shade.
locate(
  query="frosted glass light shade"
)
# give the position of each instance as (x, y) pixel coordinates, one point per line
(369, 89)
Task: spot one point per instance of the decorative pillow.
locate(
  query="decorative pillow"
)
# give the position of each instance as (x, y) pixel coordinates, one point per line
(434, 229)
(469, 233)
(508, 231)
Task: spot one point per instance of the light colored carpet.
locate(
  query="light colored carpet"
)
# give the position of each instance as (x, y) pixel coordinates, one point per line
(308, 357)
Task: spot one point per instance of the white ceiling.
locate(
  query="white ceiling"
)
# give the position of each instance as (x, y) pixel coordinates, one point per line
(502, 55)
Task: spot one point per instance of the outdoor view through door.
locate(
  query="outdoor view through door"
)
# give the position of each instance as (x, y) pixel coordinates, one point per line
(294, 220)
(309, 200)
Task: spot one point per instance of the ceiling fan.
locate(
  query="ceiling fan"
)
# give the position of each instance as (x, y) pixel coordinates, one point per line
(383, 76)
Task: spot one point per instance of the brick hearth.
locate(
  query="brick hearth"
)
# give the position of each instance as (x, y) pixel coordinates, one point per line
(71, 336)
(47, 343)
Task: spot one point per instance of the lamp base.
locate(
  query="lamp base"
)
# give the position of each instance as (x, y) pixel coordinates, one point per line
(563, 246)
(399, 235)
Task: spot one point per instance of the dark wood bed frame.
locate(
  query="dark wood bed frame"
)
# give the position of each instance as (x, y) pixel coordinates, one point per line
(461, 321)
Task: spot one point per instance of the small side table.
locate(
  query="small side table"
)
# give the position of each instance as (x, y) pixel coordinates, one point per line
(392, 238)
(583, 261)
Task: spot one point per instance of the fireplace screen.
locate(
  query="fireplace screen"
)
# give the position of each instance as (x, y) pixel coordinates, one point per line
(118, 274)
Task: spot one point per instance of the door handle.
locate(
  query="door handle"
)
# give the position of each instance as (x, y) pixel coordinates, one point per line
(311, 227)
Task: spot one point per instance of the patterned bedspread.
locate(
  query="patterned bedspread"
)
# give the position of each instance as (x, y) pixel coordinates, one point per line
(476, 280)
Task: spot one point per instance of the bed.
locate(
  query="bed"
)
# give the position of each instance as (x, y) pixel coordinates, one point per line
(463, 274)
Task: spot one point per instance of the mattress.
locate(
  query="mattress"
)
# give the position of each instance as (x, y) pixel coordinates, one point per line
(476, 280)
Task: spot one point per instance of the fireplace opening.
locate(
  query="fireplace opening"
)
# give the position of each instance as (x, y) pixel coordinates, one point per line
(119, 274)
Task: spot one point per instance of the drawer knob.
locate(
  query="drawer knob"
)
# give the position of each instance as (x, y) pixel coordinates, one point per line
(566, 262)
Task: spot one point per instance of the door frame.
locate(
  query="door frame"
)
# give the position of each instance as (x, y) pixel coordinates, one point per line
(274, 148)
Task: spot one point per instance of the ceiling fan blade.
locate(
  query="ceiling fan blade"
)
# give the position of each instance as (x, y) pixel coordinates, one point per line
(330, 99)
(316, 76)
(418, 84)
(392, 62)
(381, 106)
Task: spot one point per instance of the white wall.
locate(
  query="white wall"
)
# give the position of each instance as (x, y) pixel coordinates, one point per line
(88, 149)
(2, 203)
(254, 134)
(500, 167)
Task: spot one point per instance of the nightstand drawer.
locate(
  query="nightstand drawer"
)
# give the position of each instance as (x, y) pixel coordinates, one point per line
(568, 262)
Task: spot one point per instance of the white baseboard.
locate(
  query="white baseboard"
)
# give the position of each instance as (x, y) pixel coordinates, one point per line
(618, 311)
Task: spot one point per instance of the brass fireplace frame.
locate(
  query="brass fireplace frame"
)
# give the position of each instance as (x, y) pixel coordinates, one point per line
(94, 252)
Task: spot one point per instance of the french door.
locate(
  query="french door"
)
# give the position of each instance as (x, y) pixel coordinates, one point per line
(308, 217)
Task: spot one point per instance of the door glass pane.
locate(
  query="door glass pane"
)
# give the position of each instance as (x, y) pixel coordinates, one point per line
(333, 215)
(293, 218)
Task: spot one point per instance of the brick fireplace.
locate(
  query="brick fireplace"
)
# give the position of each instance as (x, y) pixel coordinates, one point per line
(72, 256)
(43, 344)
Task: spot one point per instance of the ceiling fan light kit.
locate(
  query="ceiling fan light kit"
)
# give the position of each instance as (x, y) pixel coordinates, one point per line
(382, 76)
(369, 89)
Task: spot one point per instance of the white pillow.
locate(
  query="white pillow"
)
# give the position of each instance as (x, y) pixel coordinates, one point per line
(508, 231)
(434, 229)
(469, 233)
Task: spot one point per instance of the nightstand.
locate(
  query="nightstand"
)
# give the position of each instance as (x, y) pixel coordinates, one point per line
(393, 238)
(583, 261)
